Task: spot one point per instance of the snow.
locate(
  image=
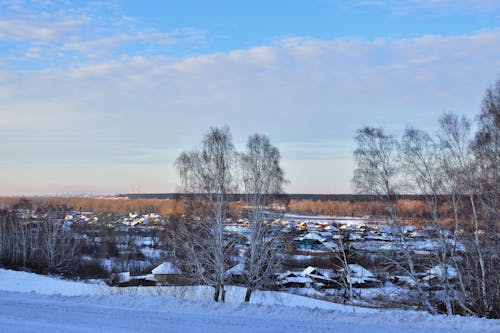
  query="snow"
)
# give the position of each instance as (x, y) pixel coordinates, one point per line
(238, 269)
(313, 236)
(439, 272)
(29, 282)
(360, 271)
(152, 253)
(123, 277)
(292, 277)
(331, 245)
(359, 274)
(298, 279)
(309, 270)
(21, 312)
(166, 268)
(301, 257)
(55, 309)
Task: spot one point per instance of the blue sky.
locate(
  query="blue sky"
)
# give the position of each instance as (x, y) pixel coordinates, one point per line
(101, 96)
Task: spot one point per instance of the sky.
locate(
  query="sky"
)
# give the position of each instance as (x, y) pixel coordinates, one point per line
(100, 97)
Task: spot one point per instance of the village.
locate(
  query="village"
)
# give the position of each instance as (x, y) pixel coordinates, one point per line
(321, 257)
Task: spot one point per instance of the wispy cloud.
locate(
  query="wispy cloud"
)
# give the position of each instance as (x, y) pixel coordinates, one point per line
(61, 33)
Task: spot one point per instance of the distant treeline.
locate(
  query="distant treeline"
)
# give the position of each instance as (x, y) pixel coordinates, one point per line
(98, 205)
(314, 197)
(413, 209)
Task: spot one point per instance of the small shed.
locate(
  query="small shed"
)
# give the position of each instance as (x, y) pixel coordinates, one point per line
(313, 242)
(360, 277)
(167, 273)
(236, 273)
(320, 277)
(439, 273)
(294, 280)
(124, 279)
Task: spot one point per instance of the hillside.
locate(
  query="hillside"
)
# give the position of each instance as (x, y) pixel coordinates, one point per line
(95, 311)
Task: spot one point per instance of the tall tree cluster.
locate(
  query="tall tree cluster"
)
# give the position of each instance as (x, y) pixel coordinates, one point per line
(453, 167)
(45, 245)
(212, 174)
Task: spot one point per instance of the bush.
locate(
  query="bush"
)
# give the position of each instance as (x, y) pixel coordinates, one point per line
(91, 269)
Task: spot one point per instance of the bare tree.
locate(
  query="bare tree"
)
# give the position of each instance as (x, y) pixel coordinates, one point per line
(486, 149)
(44, 245)
(377, 172)
(58, 249)
(207, 173)
(473, 176)
(263, 179)
(345, 271)
(377, 166)
(422, 164)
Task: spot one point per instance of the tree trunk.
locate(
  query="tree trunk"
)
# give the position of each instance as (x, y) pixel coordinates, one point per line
(478, 248)
(223, 294)
(216, 293)
(248, 295)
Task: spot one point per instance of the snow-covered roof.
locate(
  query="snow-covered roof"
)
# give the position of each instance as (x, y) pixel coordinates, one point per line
(126, 277)
(298, 279)
(331, 228)
(312, 235)
(408, 280)
(123, 277)
(359, 274)
(310, 270)
(438, 272)
(331, 245)
(166, 268)
(359, 271)
(238, 269)
(287, 274)
(315, 273)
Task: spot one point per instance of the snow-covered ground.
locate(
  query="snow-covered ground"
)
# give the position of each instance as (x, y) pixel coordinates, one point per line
(33, 283)
(33, 303)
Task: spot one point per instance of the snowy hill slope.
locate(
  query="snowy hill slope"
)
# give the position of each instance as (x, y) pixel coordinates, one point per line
(29, 282)
(33, 312)
(17, 281)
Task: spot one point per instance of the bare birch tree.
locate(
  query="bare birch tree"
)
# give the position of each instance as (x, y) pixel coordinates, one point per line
(473, 175)
(58, 249)
(207, 173)
(422, 164)
(263, 179)
(486, 149)
(377, 167)
(377, 172)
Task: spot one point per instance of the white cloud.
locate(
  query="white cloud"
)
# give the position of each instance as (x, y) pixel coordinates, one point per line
(145, 110)
(62, 34)
(36, 30)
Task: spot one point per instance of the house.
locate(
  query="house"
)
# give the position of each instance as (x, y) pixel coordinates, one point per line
(314, 243)
(236, 273)
(437, 274)
(167, 273)
(293, 280)
(320, 278)
(360, 277)
(124, 279)
(404, 281)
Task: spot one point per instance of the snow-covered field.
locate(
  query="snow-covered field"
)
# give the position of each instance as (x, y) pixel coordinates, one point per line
(34, 303)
